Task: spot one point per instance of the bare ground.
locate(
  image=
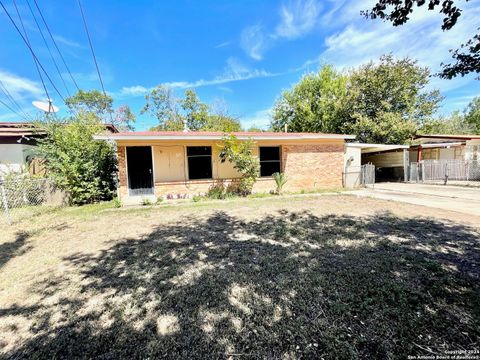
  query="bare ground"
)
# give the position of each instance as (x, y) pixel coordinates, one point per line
(332, 276)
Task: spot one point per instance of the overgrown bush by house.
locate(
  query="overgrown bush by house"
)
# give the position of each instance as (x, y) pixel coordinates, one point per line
(80, 165)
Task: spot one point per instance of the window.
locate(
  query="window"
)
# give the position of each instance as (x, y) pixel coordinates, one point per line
(199, 162)
(269, 160)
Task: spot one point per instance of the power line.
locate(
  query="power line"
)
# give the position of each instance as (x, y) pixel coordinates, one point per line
(12, 100)
(28, 41)
(9, 108)
(48, 47)
(55, 44)
(30, 48)
(93, 53)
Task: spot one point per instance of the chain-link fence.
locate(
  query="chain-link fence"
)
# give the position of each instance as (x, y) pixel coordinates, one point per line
(22, 197)
(445, 171)
(358, 176)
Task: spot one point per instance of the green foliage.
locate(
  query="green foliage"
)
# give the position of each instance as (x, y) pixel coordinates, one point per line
(467, 57)
(240, 154)
(79, 164)
(92, 101)
(100, 105)
(383, 102)
(217, 191)
(173, 112)
(159, 200)
(315, 104)
(146, 202)
(254, 128)
(280, 181)
(472, 114)
(116, 202)
(454, 124)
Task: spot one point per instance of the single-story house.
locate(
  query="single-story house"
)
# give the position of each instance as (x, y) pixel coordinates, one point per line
(164, 164)
(445, 147)
(17, 144)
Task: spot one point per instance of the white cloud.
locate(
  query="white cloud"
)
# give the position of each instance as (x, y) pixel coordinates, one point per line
(233, 71)
(298, 18)
(254, 41)
(259, 119)
(223, 44)
(19, 86)
(65, 41)
(361, 40)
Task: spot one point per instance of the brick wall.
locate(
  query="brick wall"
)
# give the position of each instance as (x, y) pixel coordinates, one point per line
(122, 172)
(307, 167)
(311, 167)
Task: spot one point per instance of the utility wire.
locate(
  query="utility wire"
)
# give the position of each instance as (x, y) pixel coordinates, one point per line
(12, 100)
(93, 53)
(28, 41)
(30, 48)
(11, 109)
(55, 43)
(48, 47)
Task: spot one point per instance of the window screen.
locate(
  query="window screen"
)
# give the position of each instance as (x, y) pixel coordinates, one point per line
(199, 162)
(269, 160)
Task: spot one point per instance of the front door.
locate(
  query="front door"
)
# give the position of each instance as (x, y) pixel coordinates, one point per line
(140, 170)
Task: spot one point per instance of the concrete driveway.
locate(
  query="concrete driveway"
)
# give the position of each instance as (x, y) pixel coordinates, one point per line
(462, 199)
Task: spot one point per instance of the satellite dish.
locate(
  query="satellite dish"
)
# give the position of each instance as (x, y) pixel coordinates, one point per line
(47, 107)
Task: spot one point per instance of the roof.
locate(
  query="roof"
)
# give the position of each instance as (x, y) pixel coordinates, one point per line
(447, 136)
(216, 135)
(18, 129)
(369, 148)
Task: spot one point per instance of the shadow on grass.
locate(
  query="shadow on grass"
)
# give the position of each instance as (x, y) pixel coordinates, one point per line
(9, 250)
(284, 286)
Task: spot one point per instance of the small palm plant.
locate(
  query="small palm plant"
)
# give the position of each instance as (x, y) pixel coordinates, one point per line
(280, 180)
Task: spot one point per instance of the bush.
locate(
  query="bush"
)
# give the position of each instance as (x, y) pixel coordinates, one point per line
(146, 202)
(116, 202)
(217, 191)
(80, 165)
(240, 154)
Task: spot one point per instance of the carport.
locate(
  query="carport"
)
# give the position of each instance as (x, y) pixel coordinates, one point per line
(390, 160)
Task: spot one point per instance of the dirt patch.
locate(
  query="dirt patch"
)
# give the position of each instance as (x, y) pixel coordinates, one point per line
(282, 278)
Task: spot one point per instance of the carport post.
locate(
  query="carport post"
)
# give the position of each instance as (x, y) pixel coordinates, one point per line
(406, 161)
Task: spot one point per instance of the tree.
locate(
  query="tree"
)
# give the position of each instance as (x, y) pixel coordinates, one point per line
(472, 114)
(383, 102)
(79, 164)
(398, 13)
(456, 123)
(100, 105)
(314, 104)
(387, 101)
(174, 113)
(240, 154)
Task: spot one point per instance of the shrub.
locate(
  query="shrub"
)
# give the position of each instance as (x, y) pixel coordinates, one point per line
(240, 154)
(146, 202)
(280, 181)
(80, 165)
(217, 191)
(159, 200)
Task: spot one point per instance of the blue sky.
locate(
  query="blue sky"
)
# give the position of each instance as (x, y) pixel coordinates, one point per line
(239, 53)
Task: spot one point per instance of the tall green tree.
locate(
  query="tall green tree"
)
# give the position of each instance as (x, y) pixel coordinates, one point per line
(314, 104)
(472, 114)
(390, 93)
(101, 105)
(79, 164)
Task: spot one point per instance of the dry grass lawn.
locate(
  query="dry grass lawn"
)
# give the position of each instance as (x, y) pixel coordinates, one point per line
(308, 277)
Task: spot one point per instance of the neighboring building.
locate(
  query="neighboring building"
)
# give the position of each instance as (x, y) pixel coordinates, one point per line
(446, 147)
(17, 144)
(187, 163)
